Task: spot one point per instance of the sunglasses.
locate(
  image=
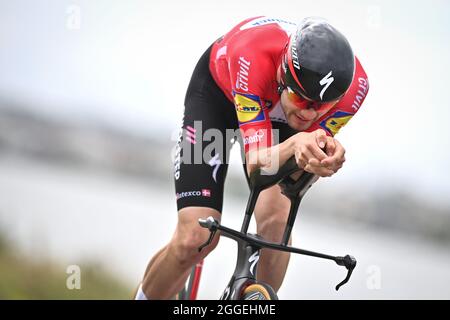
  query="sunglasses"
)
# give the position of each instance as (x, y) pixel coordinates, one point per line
(304, 103)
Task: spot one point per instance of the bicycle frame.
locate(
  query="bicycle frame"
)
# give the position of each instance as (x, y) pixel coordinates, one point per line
(249, 245)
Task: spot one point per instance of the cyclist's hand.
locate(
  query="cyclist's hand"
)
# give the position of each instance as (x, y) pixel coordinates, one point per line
(335, 155)
(308, 152)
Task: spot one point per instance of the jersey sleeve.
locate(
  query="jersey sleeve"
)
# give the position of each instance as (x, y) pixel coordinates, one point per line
(347, 107)
(248, 83)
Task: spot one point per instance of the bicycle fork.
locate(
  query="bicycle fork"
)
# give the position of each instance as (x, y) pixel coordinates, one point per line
(245, 270)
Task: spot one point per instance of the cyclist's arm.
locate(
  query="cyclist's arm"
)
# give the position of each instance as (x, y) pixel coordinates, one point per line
(265, 157)
(303, 145)
(248, 91)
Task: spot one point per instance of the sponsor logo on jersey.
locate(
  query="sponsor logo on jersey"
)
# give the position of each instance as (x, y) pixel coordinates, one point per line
(243, 74)
(336, 121)
(248, 108)
(257, 137)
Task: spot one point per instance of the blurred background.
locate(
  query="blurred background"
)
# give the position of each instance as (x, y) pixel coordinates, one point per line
(91, 99)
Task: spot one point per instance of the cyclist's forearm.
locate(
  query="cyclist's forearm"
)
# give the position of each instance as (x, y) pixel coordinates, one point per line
(269, 157)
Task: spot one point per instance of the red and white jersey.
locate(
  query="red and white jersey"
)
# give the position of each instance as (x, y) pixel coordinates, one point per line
(244, 64)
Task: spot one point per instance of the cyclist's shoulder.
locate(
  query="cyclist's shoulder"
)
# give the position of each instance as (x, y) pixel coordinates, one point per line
(358, 89)
(348, 105)
(257, 32)
(268, 22)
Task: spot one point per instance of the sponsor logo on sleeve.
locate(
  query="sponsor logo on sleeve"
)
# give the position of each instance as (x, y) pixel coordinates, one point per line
(336, 121)
(363, 87)
(255, 138)
(243, 74)
(197, 193)
(248, 108)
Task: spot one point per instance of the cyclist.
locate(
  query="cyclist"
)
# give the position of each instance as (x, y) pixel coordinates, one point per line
(286, 89)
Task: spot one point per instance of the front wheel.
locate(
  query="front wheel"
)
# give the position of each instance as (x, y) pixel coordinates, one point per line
(259, 291)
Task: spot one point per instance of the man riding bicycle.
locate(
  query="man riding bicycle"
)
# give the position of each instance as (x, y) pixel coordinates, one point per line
(286, 90)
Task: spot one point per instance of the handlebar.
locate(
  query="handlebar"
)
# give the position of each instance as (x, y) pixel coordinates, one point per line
(260, 180)
(349, 262)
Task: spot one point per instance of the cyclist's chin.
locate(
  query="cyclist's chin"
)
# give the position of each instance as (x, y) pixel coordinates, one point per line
(298, 124)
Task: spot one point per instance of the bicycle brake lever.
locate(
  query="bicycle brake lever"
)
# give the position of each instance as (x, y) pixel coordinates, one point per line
(211, 224)
(350, 263)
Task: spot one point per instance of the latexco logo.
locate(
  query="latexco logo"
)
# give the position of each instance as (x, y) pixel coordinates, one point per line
(197, 193)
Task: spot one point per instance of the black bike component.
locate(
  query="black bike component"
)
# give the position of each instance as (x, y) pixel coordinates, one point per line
(350, 263)
(256, 242)
(294, 190)
(211, 224)
(245, 270)
(249, 244)
(247, 261)
(261, 179)
(261, 243)
(254, 194)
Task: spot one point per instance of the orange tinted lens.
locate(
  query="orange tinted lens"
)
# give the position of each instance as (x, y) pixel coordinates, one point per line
(296, 99)
(303, 103)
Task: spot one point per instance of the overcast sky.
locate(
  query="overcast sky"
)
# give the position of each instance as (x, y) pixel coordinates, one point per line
(129, 63)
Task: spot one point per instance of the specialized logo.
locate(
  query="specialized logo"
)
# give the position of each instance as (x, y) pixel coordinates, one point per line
(226, 294)
(257, 137)
(248, 108)
(336, 121)
(254, 258)
(215, 162)
(326, 81)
